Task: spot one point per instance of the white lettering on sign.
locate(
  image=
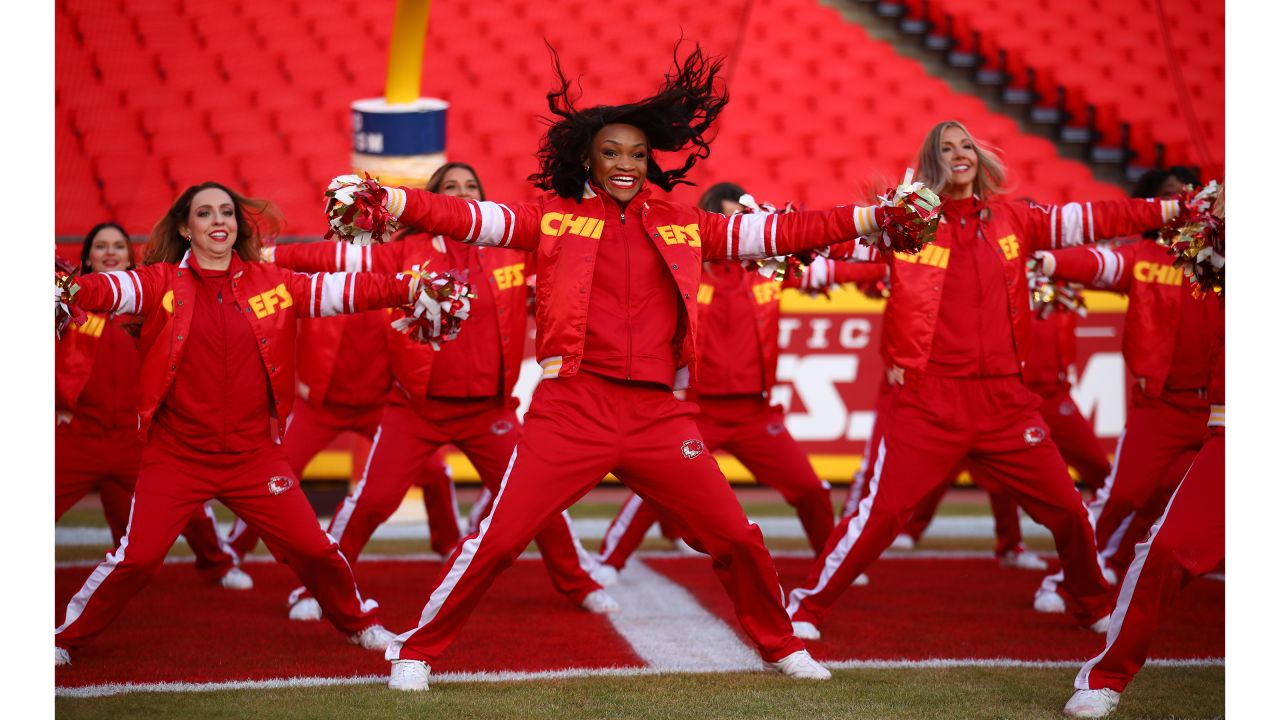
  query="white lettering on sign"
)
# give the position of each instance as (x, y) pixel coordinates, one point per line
(814, 379)
(787, 326)
(860, 423)
(818, 328)
(368, 142)
(1100, 393)
(855, 333)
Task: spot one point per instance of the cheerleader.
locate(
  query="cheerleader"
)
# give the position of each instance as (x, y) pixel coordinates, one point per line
(956, 335)
(96, 436)
(460, 395)
(619, 266)
(216, 382)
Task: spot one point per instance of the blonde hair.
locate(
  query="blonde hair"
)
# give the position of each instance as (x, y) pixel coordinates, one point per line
(932, 171)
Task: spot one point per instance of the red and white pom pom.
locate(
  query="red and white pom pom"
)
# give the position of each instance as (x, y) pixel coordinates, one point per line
(1197, 239)
(357, 211)
(443, 302)
(909, 217)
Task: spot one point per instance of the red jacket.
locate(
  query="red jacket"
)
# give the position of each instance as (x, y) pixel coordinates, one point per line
(1144, 270)
(274, 297)
(564, 232)
(1051, 359)
(74, 357)
(723, 280)
(1013, 229)
(320, 342)
(505, 274)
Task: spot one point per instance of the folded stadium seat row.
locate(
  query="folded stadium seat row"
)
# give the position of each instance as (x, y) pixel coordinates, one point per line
(1083, 47)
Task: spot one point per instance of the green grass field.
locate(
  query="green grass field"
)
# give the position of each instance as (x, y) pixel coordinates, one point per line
(854, 694)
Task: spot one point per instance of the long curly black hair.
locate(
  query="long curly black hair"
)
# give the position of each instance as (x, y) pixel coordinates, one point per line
(677, 116)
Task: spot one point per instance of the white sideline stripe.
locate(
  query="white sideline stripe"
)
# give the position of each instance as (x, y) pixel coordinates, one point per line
(670, 630)
(663, 554)
(108, 689)
(977, 526)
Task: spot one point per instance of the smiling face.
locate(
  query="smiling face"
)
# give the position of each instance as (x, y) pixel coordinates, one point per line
(960, 158)
(211, 228)
(619, 161)
(108, 251)
(460, 182)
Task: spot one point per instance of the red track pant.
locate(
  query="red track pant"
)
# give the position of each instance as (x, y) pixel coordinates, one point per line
(932, 425)
(1161, 438)
(1189, 540)
(311, 430)
(577, 430)
(486, 431)
(1071, 432)
(108, 463)
(1004, 509)
(259, 487)
(753, 431)
(1075, 437)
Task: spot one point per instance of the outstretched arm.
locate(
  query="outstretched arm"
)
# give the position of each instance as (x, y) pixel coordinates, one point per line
(1052, 227)
(336, 257)
(1105, 268)
(479, 222)
(761, 235)
(121, 291)
(825, 273)
(338, 293)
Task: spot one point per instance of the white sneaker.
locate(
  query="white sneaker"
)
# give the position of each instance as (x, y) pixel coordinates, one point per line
(305, 610)
(1092, 703)
(374, 637)
(903, 542)
(60, 657)
(1102, 625)
(801, 665)
(604, 574)
(236, 579)
(600, 603)
(1049, 602)
(1023, 560)
(806, 631)
(409, 675)
(861, 580)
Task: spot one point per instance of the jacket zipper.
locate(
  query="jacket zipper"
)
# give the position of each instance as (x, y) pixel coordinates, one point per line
(626, 287)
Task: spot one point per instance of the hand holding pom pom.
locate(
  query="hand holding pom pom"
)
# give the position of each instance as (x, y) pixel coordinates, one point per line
(1197, 238)
(908, 218)
(443, 301)
(357, 212)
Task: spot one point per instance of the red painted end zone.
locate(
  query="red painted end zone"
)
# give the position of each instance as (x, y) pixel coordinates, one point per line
(181, 630)
(917, 609)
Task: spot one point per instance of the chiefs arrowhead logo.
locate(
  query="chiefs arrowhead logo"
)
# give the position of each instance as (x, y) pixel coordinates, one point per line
(279, 484)
(691, 449)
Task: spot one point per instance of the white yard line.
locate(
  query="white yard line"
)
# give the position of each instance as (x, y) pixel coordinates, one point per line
(978, 526)
(107, 689)
(670, 630)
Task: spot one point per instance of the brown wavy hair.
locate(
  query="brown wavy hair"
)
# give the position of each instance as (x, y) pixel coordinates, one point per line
(256, 220)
